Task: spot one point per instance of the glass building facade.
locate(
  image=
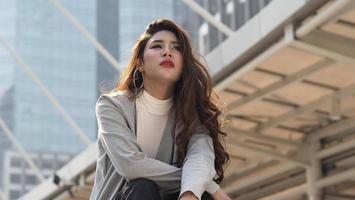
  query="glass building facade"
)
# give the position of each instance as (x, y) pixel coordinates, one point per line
(107, 35)
(6, 114)
(65, 63)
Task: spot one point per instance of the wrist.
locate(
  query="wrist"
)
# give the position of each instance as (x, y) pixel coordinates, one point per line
(217, 194)
(188, 196)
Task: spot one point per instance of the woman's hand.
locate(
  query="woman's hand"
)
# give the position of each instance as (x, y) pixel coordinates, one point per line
(220, 195)
(188, 196)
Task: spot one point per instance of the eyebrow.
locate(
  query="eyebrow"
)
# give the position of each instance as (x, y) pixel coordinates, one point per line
(162, 41)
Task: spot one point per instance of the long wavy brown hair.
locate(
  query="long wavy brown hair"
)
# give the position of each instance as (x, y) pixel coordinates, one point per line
(193, 96)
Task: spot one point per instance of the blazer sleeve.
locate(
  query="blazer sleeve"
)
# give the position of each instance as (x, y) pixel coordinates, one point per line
(125, 154)
(198, 168)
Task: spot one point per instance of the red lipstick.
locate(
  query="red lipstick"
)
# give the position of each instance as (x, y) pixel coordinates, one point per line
(167, 63)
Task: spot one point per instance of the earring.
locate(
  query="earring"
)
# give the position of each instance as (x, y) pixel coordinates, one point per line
(135, 78)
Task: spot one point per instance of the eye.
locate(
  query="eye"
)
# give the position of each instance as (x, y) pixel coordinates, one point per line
(177, 48)
(154, 46)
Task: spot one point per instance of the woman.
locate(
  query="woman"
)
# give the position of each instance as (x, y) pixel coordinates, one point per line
(159, 134)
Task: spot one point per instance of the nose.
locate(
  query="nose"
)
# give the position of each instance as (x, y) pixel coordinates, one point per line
(167, 52)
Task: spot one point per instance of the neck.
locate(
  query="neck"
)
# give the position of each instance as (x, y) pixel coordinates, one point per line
(159, 90)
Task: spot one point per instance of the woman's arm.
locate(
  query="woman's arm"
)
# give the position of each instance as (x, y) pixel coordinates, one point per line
(198, 169)
(125, 154)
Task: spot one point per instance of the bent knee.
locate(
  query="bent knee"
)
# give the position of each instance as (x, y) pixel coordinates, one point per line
(143, 182)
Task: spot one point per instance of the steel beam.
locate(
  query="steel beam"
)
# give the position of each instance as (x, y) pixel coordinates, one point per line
(257, 176)
(344, 92)
(269, 187)
(252, 169)
(270, 153)
(21, 150)
(92, 40)
(326, 52)
(336, 43)
(332, 129)
(290, 79)
(208, 17)
(330, 13)
(262, 137)
(321, 183)
(336, 149)
(313, 172)
(251, 65)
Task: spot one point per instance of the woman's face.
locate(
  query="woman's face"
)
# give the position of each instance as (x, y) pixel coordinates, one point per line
(162, 59)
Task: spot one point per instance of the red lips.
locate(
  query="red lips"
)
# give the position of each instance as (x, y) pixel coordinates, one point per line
(167, 63)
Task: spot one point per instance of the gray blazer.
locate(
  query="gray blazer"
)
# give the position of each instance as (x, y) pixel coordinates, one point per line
(120, 158)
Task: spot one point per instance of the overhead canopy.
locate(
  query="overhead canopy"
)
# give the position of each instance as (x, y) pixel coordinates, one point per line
(292, 107)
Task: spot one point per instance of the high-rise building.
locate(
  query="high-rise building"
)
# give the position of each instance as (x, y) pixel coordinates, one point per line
(6, 115)
(65, 63)
(108, 35)
(19, 178)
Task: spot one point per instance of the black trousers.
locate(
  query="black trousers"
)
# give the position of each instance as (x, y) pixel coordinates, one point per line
(144, 189)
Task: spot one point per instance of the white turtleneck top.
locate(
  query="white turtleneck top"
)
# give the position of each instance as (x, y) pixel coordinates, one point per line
(152, 116)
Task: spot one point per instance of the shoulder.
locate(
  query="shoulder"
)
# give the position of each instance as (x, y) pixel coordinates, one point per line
(119, 99)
